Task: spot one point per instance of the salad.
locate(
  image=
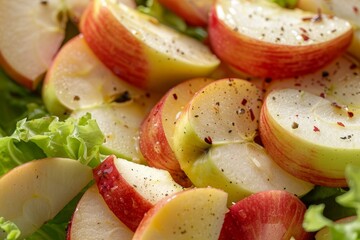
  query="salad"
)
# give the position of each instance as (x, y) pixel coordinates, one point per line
(162, 136)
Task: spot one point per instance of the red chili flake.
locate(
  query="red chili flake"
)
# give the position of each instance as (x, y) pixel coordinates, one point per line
(316, 129)
(334, 104)
(252, 116)
(208, 140)
(303, 30)
(297, 84)
(350, 114)
(340, 124)
(322, 95)
(243, 102)
(175, 96)
(355, 9)
(76, 98)
(353, 66)
(305, 37)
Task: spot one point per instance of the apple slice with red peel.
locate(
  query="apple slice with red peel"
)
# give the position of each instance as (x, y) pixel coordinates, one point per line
(93, 220)
(142, 51)
(265, 40)
(195, 12)
(157, 129)
(131, 189)
(38, 190)
(314, 136)
(120, 123)
(77, 79)
(271, 214)
(349, 11)
(31, 33)
(196, 213)
(215, 142)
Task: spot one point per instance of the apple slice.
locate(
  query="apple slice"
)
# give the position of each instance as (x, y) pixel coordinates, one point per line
(93, 220)
(196, 213)
(77, 79)
(31, 33)
(349, 11)
(195, 12)
(142, 51)
(35, 192)
(215, 142)
(271, 214)
(265, 40)
(314, 136)
(158, 128)
(131, 189)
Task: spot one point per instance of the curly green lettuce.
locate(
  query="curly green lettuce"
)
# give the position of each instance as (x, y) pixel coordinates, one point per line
(10, 229)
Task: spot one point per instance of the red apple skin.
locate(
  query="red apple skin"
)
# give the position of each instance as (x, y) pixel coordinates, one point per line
(123, 199)
(98, 26)
(273, 214)
(262, 59)
(189, 11)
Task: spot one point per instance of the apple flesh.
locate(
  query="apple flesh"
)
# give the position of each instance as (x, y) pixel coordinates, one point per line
(265, 40)
(157, 129)
(215, 142)
(131, 189)
(349, 11)
(195, 12)
(311, 130)
(271, 214)
(35, 192)
(31, 33)
(196, 213)
(93, 220)
(77, 79)
(142, 51)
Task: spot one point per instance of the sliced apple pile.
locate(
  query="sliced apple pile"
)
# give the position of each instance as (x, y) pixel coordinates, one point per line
(265, 40)
(93, 220)
(196, 213)
(157, 129)
(142, 51)
(271, 214)
(312, 131)
(35, 192)
(215, 142)
(131, 189)
(349, 11)
(31, 33)
(195, 12)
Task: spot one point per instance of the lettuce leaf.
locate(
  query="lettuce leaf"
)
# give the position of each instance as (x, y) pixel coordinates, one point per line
(78, 139)
(315, 220)
(11, 230)
(286, 3)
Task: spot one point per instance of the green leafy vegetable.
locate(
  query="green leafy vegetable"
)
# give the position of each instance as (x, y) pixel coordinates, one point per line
(49, 137)
(286, 3)
(10, 229)
(315, 220)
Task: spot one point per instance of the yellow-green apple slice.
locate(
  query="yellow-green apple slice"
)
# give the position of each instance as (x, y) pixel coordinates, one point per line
(93, 220)
(131, 189)
(195, 12)
(31, 33)
(120, 123)
(157, 129)
(142, 51)
(77, 79)
(349, 11)
(271, 214)
(313, 137)
(35, 192)
(196, 213)
(215, 142)
(265, 40)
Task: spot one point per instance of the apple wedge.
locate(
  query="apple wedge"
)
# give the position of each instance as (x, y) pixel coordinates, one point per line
(131, 189)
(93, 220)
(271, 214)
(266, 40)
(142, 51)
(31, 33)
(196, 213)
(312, 131)
(215, 142)
(194, 12)
(157, 129)
(35, 192)
(77, 79)
(349, 11)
